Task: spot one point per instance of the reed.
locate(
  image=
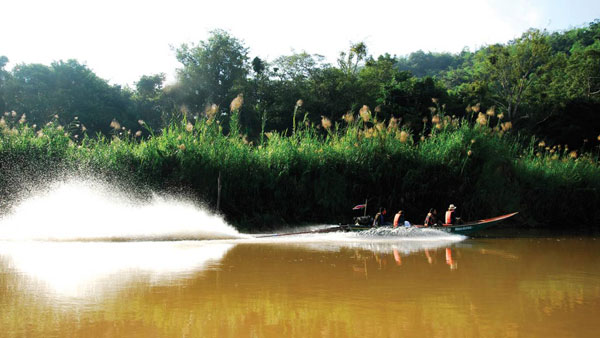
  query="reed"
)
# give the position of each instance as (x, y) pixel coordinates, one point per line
(317, 173)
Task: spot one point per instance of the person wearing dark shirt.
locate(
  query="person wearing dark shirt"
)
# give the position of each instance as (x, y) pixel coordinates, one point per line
(431, 218)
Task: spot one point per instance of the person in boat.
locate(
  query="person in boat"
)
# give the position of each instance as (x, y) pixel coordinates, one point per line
(399, 219)
(451, 218)
(378, 219)
(431, 219)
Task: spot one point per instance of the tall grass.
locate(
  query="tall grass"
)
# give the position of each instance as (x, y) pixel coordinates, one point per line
(319, 172)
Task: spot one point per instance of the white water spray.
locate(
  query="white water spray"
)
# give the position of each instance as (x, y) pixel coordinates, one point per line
(85, 210)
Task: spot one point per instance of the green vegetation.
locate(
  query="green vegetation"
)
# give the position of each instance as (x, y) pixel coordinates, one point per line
(319, 172)
(292, 144)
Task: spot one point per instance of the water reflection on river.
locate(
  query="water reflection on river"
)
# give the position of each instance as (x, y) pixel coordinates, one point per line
(301, 288)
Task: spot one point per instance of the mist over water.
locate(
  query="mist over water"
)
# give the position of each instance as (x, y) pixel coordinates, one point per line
(88, 210)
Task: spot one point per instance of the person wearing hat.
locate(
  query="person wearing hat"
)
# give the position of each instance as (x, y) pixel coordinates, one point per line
(450, 215)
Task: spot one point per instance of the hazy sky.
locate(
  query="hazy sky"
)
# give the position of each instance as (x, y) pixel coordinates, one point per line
(121, 40)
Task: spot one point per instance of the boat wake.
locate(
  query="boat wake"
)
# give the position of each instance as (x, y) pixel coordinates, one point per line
(80, 210)
(405, 240)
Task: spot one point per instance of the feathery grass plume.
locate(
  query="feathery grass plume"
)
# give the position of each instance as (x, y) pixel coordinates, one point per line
(573, 154)
(13, 113)
(211, 111)
(500, 116)
(378, 109)
(598, 138)
(425, 119)
(141, 122)
(506, 126)
(189, 127)
(22, 119)
(181, 147)
(348, 117)
(435, 119)
(184, 109)
(481, 119)
(115, 125)
(491, 111)
(438, 126)
(325, 122)
(365, 113)
(299, 104)
(476, 108)
(403, 137)
(434, 100)
(542, 144)
(269, 135)
(470, 152)
(237, 103)
(432, 109)
(138, 133)
(6, 113)
(393, 124)
(380, 126)
(422, 138)
(2, 122)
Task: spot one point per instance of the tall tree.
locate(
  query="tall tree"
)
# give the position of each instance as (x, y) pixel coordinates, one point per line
(349, 61)
(214, 71)
(3, 78)
(511, 69)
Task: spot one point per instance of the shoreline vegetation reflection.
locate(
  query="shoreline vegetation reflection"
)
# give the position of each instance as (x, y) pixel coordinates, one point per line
(440, 286)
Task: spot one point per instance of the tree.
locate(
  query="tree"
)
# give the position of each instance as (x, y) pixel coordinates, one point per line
(214, 71)
(349, 62)
(510, 70)
(3, 78)
(69, 89)
(298, 66)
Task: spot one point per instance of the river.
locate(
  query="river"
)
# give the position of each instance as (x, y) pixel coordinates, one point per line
(327, 285)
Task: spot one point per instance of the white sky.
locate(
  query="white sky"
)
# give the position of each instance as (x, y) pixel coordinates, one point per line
(121, 40)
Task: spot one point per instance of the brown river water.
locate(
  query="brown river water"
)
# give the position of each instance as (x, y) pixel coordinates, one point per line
(329, 285)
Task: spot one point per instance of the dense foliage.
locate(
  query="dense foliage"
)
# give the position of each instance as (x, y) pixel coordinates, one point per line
(319, 172)
(546, 84)
(491, 130)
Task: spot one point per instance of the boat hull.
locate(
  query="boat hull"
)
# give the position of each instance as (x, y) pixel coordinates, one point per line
(462, 229)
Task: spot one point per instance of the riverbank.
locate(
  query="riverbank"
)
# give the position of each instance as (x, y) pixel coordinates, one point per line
(318, 173)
